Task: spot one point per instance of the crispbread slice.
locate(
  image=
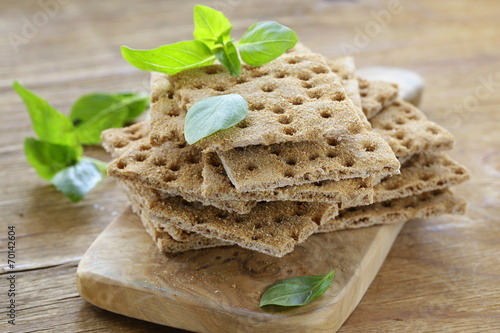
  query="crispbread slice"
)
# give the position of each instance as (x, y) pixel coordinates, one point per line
(171, 168)
(398, 210)
(348, 192)
(422, 173)
(273, 228)
(257, 168)
(217, 189)
(376, 95)
(288, 99)
(409, 132)
(117, 140)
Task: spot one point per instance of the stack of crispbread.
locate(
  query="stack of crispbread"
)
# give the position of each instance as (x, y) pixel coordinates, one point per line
(305, 159)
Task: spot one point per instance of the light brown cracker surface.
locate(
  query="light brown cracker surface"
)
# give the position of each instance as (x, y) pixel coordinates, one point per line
(288, 99)
(408, 131)
(376, 95)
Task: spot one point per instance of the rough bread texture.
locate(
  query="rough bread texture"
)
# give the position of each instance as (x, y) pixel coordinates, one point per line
(171, 168)
(420, 206)
(408, 131)
(422, 173)
(348, 192)
(376, 95)
(273, 228)
(117, 140)
(218, 190)
(293, 98)
(256, 168)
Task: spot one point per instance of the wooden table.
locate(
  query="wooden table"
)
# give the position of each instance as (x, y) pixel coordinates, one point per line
(443, 274)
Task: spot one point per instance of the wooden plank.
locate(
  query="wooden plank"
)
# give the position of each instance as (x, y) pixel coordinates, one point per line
(218, 290)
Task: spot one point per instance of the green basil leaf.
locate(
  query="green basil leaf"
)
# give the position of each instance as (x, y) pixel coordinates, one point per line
(296, 291)
(265, 41)
(213, 114)
(100, 165)
(49, 124)
(76, 181)
(49, 158)
(136, 104)
(228, 56)
(210, 26)
(93, 113)
(170, 59)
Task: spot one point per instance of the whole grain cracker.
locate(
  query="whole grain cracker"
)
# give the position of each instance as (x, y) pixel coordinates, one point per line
(348, 192)
(117, 140)
(376, 95)
(257, 168)
(398, 210)
(288, 99)
(273, 228)
(422, 173)
(408, 131)
(176, 169)
(218, 190)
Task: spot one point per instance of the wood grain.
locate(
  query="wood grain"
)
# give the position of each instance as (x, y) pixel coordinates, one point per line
(441, 275)
(218, 289)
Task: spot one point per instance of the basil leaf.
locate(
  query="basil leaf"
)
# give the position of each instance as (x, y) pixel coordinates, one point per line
(49, 158)
(213, 114)
(228, 56)
(265, 41)
(210, 26)
(76, 181)
(136, 104)
(93, 113)
(296, 291)
(170, 59)
(49, 124)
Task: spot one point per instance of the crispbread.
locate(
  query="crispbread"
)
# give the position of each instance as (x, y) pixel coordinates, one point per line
(422, 173)
(348, 192)
(218, 188)
(293, 98)
(117, 140)
(256, 168)
(376, 95)
(398, 210)
(409, 132)
(171, 168)
(273, 228)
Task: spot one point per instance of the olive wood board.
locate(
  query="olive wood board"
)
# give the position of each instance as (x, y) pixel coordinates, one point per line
(218, 289)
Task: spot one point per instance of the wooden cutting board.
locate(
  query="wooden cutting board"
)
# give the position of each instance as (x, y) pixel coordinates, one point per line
(218, 290)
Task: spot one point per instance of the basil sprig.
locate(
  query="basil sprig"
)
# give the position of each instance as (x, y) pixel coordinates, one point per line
(57, 152)
(262, 43)
(297, 291)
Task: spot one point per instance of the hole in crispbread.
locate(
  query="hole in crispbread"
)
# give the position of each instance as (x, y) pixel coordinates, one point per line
(399, 135)
(332, 142)
(339, 96)
(241, 80)
(293, 61)
(331, 154)
(258, 73)
(304, 76)
(169, 178)
(298, 101)
(258, 226)
(313, 157)
(432, 130)
(251, 167)
(215, 162)
(289, 174)
(211, 70)
(275, 151)
(316, 219)
(220, 88)
(370, 147)
(365, 184)
(242, 124)
(387, 204)
(181, 145)
(170, 95)
(285, 120)
(317, 94)
(307, 85)
(363, 94)
(400, 121)
(320, 70)
(222, 215)
(140, 157)
(388, 127)
(268, 88)
(278, 109)
(291, 161)
(120, 144)
(278, 219)
(459, 171)
(144, 147)
(198, 85)
(407, 144)
(397, 103)
(257, 107)
(280, 75)
(289, 131)
(426, 177)
(348, 163)
(174, 167)
(193, 159)
(121, 165)
(320, 183)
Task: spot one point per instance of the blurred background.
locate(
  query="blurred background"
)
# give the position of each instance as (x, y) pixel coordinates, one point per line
(62, 49)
